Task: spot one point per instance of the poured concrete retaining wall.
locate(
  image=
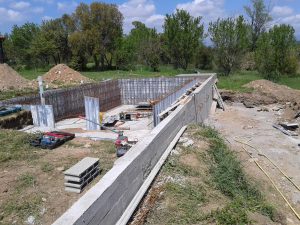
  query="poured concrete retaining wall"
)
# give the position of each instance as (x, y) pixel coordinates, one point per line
(105, 203)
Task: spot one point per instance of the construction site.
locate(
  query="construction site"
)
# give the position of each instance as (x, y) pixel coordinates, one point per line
(100, 152)
(95, 142)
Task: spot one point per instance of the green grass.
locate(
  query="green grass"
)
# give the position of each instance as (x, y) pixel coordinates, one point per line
(25, 180)
(230, 179)
(16, 93)
(236, 81)
(15, 146)
(47, 167)
(141, 71)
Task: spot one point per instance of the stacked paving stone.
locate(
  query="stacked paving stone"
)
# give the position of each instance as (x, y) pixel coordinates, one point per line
(81, 174)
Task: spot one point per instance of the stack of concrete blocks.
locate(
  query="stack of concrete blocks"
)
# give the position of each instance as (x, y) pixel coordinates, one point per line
(81, 174)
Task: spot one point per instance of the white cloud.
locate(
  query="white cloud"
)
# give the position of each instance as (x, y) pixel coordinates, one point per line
(37, 10)
(47, 18)
(66, 7)
(9, 15)
(20, 5)
(210, 10)
(279, 11)
(141, 10)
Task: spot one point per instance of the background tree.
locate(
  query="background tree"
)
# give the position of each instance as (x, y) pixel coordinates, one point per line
(259, 17)
(100, 25)
(276, 52)
(230, 39)
(21, 38)
(183, 34)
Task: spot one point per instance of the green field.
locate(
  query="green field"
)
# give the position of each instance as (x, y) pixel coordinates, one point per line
(113, 74)
(233, 82)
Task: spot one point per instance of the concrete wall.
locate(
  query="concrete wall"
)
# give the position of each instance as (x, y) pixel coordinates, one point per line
(134, 91)
(105, 203)
(69, 102)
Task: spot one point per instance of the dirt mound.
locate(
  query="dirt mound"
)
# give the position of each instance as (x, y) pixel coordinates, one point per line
(266, 93)
(61, 74)
(281, 93)
(10, 79)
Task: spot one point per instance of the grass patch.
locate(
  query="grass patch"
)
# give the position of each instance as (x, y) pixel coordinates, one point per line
(25, 180)
(187, 199)
(47, 167)
(230, 179)
(16, 93)
(15, 146)
(21, 208)
(236, 81)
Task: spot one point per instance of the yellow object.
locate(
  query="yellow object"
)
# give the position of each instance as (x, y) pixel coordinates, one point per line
(101, 116)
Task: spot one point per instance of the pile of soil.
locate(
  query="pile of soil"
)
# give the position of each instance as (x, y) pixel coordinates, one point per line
(61, 74)
(11, 80)
(265, 93)
(280, 93)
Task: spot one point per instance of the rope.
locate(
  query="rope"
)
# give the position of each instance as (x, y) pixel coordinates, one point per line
(260, 153)
(259, 166)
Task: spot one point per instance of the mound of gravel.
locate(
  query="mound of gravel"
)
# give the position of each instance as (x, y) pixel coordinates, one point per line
(11, 80)
(61, 74)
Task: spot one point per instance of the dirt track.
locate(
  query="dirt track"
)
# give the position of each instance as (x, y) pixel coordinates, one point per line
(254, 127)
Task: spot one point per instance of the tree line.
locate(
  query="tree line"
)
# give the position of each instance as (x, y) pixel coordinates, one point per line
(93, 33)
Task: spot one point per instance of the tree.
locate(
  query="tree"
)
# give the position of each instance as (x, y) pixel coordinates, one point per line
(259, 17)
(100, 25)
(276, 52)
(21, 38)
(52, 41)
(145, 45)
(183, 34)
(230, 39)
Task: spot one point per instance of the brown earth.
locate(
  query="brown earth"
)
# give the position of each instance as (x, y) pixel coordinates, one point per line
(255, 128)
(45, 198)
(266, 93)
(61, 74)
(11, 80)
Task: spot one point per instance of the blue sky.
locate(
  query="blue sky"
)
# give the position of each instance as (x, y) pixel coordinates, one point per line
(151, 12)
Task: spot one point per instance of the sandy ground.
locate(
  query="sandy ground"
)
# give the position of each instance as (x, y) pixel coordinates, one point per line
(249, 125)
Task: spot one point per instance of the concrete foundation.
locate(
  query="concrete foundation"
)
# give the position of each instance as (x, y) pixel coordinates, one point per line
(105, 203)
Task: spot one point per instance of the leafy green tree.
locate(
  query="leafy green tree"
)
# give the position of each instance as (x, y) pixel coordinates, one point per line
(276, 52)
(100, 26)
(230, 39)
(259, 17)
(183, 34)
(204, 58)
(52, 41)
(22, 38)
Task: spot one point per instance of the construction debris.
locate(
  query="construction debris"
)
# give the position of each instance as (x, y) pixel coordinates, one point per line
(81, 174)
(289, 133)
(289, 126)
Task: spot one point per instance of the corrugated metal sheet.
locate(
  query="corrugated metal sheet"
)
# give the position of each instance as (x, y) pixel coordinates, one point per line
(92, 110)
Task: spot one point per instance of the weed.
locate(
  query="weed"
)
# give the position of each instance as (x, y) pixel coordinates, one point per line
(26, 180)
(47, 167)
(188, 199)
(15, 146)
(230, 179)
(22, 207)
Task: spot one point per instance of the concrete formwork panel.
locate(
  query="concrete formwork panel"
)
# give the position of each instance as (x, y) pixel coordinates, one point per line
(92, 109)
(105, 203)
(42, 116)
